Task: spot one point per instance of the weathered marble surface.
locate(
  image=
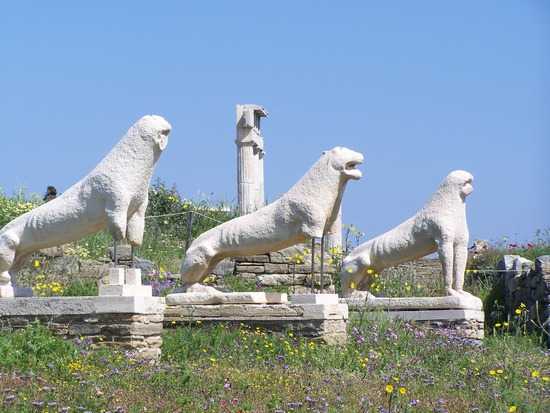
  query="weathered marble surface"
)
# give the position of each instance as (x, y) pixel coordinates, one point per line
(208, 298)
(309, 209)
(440, 226)
(250, 158)
(114, 196)
(367, 301)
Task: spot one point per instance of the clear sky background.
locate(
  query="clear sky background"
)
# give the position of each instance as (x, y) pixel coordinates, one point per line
(421, 88)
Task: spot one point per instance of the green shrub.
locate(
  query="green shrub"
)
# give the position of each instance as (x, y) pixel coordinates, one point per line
(81, 288)
(35, 348)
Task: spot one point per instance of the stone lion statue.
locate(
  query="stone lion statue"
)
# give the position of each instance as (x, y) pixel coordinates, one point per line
(114, 196)
(439, 226)
(307, 210)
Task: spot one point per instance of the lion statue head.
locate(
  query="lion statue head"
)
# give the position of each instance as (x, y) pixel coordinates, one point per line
(154, 129)
(460, 182)
(345, 161)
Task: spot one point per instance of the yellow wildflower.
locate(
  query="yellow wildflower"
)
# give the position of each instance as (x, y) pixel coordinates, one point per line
(512, 409)
(492, 373)
(535, 374)
(402, 390)
(389, 388)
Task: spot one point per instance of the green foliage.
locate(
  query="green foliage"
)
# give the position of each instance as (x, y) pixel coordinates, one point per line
(385, 364)
(12, 207)
(81, 288)
(35, 348)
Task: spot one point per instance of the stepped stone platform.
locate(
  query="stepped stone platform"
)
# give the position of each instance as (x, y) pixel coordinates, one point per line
(320, 321)
(132, 323)
(462, 315)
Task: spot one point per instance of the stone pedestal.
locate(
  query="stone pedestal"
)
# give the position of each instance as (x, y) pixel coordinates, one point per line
(314, 299)
(125, 283)
(132, 323)
(323, 322)
(205, 298)
(463, 315)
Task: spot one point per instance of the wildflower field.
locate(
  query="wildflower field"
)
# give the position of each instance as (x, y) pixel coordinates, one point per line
(385, 367)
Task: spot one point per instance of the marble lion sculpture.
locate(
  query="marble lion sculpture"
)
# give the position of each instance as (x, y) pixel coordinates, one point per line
(440, 226)
(114, 196)
(307, 210)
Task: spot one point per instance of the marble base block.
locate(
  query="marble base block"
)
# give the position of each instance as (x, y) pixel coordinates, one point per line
(207, 298)
(116, 276)
(126, 290)
(6, 291)
(314, 299)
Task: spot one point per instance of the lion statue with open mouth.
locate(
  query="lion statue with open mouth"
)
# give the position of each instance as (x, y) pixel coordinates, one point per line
(307, 210)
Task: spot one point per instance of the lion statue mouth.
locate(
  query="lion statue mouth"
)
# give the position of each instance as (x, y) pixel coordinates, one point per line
(350, 169)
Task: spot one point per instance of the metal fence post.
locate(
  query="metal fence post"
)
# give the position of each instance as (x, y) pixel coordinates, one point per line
(322, 268)
(313, 265)
(189, 230)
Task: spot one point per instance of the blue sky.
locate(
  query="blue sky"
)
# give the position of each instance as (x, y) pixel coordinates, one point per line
(421, 88)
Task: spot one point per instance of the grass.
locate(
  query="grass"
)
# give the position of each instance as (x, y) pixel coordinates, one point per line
(385, 366)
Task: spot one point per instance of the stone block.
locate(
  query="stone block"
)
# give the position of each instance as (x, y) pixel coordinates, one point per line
(314, 299)
(205, 298)
(62, 306)
(133, 276)
(542, 264)
(276, 268)
(231, 312)
(123, 252)
(7, 291)
(369, 302)
(252, 259)
(22, 292)
(272, 280)
(116, 276)
(255, 269)
(324, 311)
(126, 290)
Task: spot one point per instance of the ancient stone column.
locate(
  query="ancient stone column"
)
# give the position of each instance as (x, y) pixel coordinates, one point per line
(250, 158)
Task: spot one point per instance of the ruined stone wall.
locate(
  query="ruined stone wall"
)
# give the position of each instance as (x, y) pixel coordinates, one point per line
(527, 286)
(290, 267)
